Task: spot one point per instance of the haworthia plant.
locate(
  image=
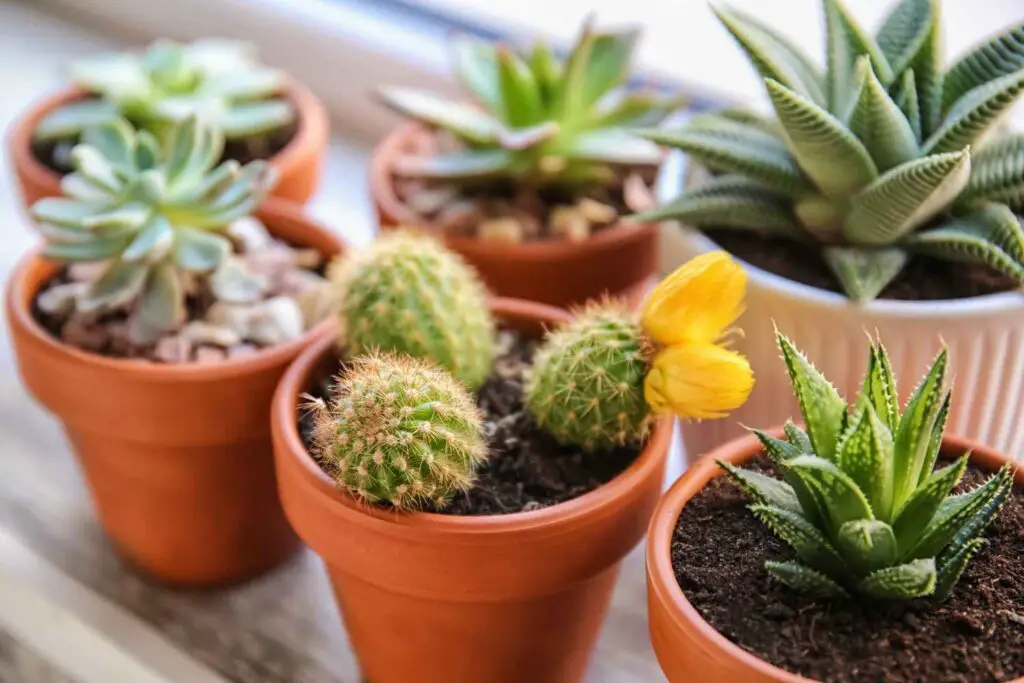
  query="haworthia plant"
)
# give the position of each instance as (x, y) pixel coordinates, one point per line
(880, 156)
(535, 118)
(861, 501)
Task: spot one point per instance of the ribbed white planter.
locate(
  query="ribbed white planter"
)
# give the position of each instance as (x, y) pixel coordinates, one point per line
(985, 336)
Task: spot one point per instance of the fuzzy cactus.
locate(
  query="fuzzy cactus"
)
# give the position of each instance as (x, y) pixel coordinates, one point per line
(407, 293)
(399, 431)
(586, 386)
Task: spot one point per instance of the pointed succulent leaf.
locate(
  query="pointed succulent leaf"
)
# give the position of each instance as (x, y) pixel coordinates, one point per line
(463, 120)
(91, 163)
(612, 146)
(152, 242)
(823, 409)
(954, 243)
(905, 198)
(866, 455)
(824, 148)
(598, 63)
(879, 387)
(913, 436)
(778, 450)
(840, 496)
(119, 284)
(162, 302)
(864, 272)
(782, 451)
(867, 544)
(147, 151)
(547, 71)
(471, 164)
(904, 32)
(130, 216)
(638, 108)
(761, 488)
(805, 580)
(906, 100)
(114, 139)
(997, 173)
(71, 119)
(1000, 55)
(917, 513)
(846, 41)
(879, 123)
(935, 444)
(977, 523)
(995, 223)
(975, 113)
(926, 66)
(798, 437)
(953, 568)
(810, 544)
(529, 137)
(521, 102)
(199, 251)
(903, 582)
(194, 147)
(476, 66)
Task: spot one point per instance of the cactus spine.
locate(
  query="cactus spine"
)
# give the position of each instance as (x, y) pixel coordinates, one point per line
(407, 293)
(586, 383)
(399, 430)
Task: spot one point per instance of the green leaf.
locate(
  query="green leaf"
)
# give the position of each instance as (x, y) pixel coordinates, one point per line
(95, 249)
(823, 409)
(62, 211)
(866, 456)
(964, 517)
(248, 84)
(597, 63)
(810, 544)
(612, 146)
(465, 165)
(162, 304)
(935, 444)
(879, 123)
(637, 108)
(199, 251)
(864, 272)
(130, 216)
(997, 224)
(247, 119)
(965, 240)
(152, 243)
(798, 438)
(463, 120)
(905, 198)
(547, 72)
(914, 433)
(904, 582)
(476, 66)
(761, 488)
(997, 173)
(772, 54)
(978, 522)
(147, 151)
(826, 151)
(1000, 55)
(780, 452)
(837, 492)
(521, 103)
(777, 449)
(867, 544)
(905, 31)
(919, 510)
(73, 118)
(91, 163)
(805, 580)
(906, 100)
(846, 41)
(879, 387)
(953, 568)
(195, 147)
(975, 113)
(926, 66)
(79, 187)
(119, 285)
(114, 139)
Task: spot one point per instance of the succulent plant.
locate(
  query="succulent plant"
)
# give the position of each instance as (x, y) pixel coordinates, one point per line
(534, 118)
(153, 215)
(862, 504)
(399, 430)
(218, 79)
(407, 293)
(883, 156)
(586, 384)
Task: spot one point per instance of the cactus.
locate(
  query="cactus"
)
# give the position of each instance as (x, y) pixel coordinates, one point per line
(406, 293)
(586, 384)
(399, 430)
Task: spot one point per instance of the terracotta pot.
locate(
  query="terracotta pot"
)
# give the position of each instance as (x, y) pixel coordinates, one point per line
(690, 649)
(177, 458)
(620, 260)
(298, 165)
(442, 599)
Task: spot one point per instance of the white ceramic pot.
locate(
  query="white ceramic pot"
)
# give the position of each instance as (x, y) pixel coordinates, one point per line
(985, 336)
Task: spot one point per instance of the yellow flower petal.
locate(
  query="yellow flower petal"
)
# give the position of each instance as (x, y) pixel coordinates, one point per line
(698, 381)
(696, 303)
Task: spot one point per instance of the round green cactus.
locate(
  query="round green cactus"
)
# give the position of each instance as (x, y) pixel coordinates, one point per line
(586, 384)
(399, 430)
(407, 293)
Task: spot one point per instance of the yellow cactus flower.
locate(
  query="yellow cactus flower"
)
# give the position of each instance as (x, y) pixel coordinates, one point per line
(697, 303)
(698, 381)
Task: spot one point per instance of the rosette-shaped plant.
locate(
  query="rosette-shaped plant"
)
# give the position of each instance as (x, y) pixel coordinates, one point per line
(883, 156)
(219, 80)
(862, 504)
(152, 214)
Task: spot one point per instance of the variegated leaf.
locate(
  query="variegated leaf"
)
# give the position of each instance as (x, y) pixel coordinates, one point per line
(71, 119)
(935, 445)
(904, 31)
(997, 173)
(152, 243)
(62, 211)
(471, 164)
(130, 216)
(919, 510)
(955, 243)
(762, 488)
(904, 582)
(975, 113)
(798, 438)
(476, 67)
(867, 544)
(837, 492)
(879, 387)
(865, 453)
(162, 303)
(810, 544)
(914, 433)
(880, 124)
(824, 148)
(463, 120)
(845, 42)
(1000, 55)
(823, 409)
(91, 163)
(120, 283)
(78, 186)
(953, 568)
(864, 272)
(805, 580)
(905, 198)
(95, 249)
(113, 139)
(777, 449)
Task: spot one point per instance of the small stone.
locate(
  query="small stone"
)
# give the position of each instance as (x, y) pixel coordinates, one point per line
(242, 350)
(316, 303)
(275, 321)
(86, 271)
(506, 229)
(637, 194)
(210, 354)
(569, 223)
(84, 333)
(233, 316)
(121, 343)
(597, 212)
(199, 332)
(296, 281)
(173, 349)
(427, 201)
(460, 216)
(779, 612)
(61, 300)
(250, 234)
(233, 282)
(308, 259)
(270, 263)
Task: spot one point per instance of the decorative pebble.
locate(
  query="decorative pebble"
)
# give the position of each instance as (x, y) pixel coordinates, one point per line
(173, 349)
(60, 300)
(210, 354)
(199, 332)
(570, 223)
(506, 229)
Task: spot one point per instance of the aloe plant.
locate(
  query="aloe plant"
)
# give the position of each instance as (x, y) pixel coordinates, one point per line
(534, 118)
(153, 215)
(862, 504)
(880, 157)
(168, 82)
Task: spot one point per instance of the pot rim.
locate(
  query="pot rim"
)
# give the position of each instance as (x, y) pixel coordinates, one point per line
(310, 115)
(20, 314)
(674, 174)
(661, 577)
(383, 195)
(286, 406)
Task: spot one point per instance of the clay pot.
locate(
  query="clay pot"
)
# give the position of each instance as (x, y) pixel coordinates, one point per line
(442, 599)
(690, 649)
(177, 458)
(298, 165)
(619, 260)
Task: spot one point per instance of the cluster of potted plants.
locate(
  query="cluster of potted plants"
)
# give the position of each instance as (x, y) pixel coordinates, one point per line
(471, 461)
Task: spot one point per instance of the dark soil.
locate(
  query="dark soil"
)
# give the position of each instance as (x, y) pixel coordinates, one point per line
(719, 551)
(923, 279)
(527, 469)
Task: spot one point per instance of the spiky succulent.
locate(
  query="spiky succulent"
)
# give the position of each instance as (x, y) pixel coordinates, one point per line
(152, 213)
(586, 384)
(534, 118)
(218, 79)
(400, 431)
(862, 503)
(881, 157)
(407, 293)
